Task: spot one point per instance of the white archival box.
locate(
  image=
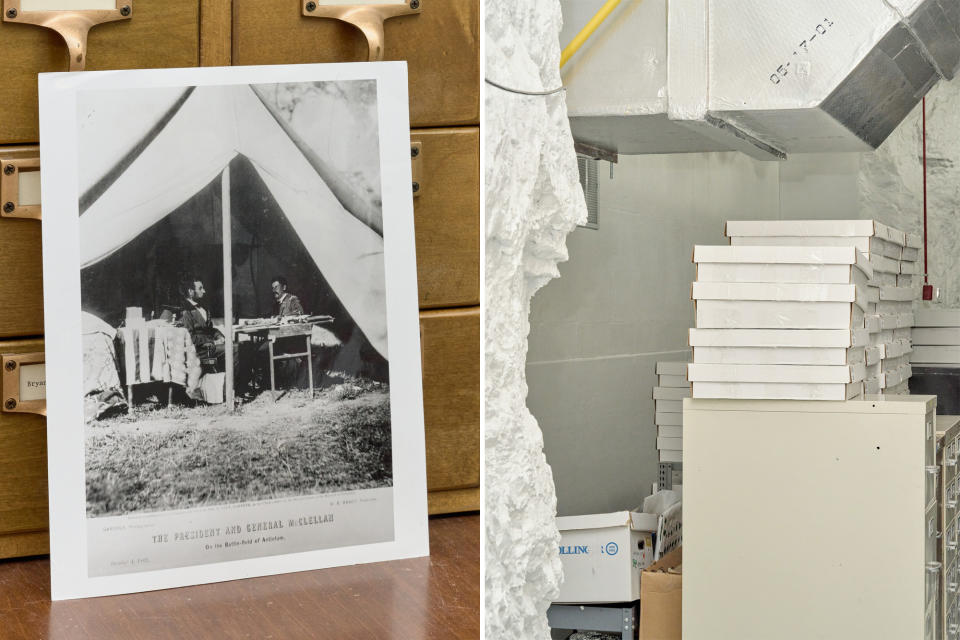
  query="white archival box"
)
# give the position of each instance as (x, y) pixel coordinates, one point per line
(936, 335)
(604, 554)
(807, 374)
(873, 385)
(669, 444)
(781, 264)
(671, 456)
(668, 406)
(838, 526)
(937, 317)
(942, 354)
(677, 368)
(777, 390)
(668, 419)
(817, 339)
(721, 305)
(671, 393)
(676, 382)
(914, 240)
(670, 431)
(778, 355)
(801, 229)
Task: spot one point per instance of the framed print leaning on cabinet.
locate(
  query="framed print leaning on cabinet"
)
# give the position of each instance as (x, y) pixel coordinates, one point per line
(233, 361)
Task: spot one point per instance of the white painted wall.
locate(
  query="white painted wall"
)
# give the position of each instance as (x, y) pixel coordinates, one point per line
(621, 304)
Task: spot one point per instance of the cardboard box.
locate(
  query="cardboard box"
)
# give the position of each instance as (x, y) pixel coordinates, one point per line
(661, 591)
(778, 355)
(777, 391)
(821, 339)
(604, 554)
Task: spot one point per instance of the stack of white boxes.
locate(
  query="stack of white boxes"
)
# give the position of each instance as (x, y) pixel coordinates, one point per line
(672, 387)
(936, 337)
(780, 322)
(893, 258)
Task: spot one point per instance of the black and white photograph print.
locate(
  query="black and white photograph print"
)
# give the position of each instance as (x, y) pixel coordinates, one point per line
(232, 295)
(236, 378)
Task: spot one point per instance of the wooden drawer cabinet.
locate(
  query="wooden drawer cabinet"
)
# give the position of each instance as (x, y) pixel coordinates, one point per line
(440, 44)
(447, 217)
(450, 342)
(23, 475)
(160, 33)
(21, 267)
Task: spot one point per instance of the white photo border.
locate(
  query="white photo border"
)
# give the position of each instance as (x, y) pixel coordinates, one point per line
(64, 353)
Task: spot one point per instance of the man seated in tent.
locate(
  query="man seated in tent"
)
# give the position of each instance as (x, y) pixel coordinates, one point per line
(196, 319)
(286, 304)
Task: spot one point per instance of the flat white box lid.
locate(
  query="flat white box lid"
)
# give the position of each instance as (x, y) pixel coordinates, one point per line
(826, 228)
(814, 338)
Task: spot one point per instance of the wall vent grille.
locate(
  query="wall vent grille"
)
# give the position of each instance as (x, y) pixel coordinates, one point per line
(588, 180)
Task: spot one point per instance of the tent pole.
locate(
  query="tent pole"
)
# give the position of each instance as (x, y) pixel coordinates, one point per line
(227, 285)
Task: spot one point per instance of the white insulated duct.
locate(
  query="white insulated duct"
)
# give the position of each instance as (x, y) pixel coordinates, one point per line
(766, 78)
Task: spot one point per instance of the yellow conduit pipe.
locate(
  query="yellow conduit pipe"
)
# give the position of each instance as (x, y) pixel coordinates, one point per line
(587, 31)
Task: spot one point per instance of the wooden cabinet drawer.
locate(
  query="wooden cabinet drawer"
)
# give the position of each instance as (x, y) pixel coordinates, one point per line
(440, 44)
(447, 217)
(21, 267)
(450, 341)
(23, 475)
(160, 33)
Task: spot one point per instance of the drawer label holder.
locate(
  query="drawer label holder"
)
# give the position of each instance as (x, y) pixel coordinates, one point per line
(366, 16)
(10, 170)
(73, 25)
(24, 383)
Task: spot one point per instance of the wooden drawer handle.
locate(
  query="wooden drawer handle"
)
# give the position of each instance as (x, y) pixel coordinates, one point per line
(366, 17)
(72, 24)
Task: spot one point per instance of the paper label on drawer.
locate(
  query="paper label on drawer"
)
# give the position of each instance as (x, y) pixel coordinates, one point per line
(68, 5)
(28, 188)
(33, 382)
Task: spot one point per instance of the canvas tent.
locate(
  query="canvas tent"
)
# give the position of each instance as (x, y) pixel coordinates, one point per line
(201, 137)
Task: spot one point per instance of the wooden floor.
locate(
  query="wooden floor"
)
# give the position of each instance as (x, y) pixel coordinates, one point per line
(435, 597)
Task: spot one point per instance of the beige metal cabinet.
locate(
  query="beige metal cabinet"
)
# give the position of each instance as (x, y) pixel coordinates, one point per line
(809, 519)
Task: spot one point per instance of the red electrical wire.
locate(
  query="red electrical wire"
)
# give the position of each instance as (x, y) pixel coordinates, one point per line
(925, 190)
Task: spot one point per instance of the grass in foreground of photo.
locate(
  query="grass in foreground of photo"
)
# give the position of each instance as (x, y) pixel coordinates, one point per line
(182, 457)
